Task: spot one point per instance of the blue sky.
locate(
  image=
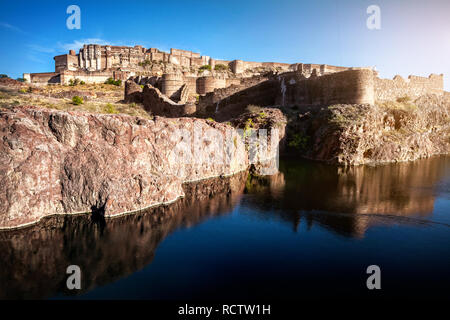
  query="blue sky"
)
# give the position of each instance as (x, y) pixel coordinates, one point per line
(414, 37)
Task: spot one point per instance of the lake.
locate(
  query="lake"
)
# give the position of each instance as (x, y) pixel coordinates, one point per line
(309, 231)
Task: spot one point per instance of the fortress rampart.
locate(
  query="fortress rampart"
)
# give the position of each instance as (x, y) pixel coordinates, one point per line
(413, 87)
(292, 89)
(184, 76)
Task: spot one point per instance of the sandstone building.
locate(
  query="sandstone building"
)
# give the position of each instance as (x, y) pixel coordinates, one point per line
(184, 82)
(96, 63)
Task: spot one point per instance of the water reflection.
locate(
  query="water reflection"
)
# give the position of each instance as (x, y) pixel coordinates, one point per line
(34, 260)
(346, 201)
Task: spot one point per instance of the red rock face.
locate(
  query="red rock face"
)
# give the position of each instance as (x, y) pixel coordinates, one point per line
(54, 162)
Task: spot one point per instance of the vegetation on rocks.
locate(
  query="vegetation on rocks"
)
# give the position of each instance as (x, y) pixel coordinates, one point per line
(389, 131)
(298, 141)
(97, 98)
(205, 67)
(76, 82)
(76, 100)
(221, 67)
(114, 82)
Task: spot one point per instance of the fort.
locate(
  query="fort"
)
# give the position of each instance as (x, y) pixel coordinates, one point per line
(184, 82)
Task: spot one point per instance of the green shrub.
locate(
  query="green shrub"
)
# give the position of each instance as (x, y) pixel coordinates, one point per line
(75, 82)
(21, 79)
(248, 129)
(109, 108)
(3, 76)
(220, 67)
(205, 67)
(298, 141)
(114, 82)
(76, 100)
(23, 90)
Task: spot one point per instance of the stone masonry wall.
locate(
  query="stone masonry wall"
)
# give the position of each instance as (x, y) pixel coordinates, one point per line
(158, 104)
(351, 86)
(414, 86)
(42, 78)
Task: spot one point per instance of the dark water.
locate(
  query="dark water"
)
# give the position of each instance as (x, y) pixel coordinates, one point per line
(308, 232)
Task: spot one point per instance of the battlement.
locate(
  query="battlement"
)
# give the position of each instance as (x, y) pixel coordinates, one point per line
(413, 86)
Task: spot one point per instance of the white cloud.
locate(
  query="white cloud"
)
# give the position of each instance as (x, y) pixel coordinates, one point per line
(39, 48)
(10, 27)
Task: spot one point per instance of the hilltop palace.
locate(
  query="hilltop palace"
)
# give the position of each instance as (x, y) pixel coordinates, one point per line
(182, 73)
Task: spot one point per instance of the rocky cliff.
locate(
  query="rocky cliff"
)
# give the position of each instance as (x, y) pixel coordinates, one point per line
(54, 162)
(392, 131)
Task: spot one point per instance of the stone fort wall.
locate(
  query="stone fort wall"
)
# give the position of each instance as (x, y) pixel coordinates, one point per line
(349, 86)
(413, 87)
(357, 86)
(289, 89)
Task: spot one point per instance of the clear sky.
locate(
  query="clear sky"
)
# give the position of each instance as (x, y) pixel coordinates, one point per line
(414, 37)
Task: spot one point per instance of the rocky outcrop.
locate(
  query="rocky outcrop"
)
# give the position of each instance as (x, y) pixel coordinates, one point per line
(54, 162)
(372, 134)
(263, 132)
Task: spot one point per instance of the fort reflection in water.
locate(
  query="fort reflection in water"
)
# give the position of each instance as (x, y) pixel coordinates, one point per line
(346, 201)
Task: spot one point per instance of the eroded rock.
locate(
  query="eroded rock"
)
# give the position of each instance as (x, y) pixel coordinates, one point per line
(54, 162)
(372, 134)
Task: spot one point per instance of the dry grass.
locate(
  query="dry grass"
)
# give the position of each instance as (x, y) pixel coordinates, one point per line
(254, 108)
(94, 87)
(10, 99)
(401, 104)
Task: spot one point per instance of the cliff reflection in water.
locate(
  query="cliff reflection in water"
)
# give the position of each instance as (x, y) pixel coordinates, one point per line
(34, 260)
(346, 201)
